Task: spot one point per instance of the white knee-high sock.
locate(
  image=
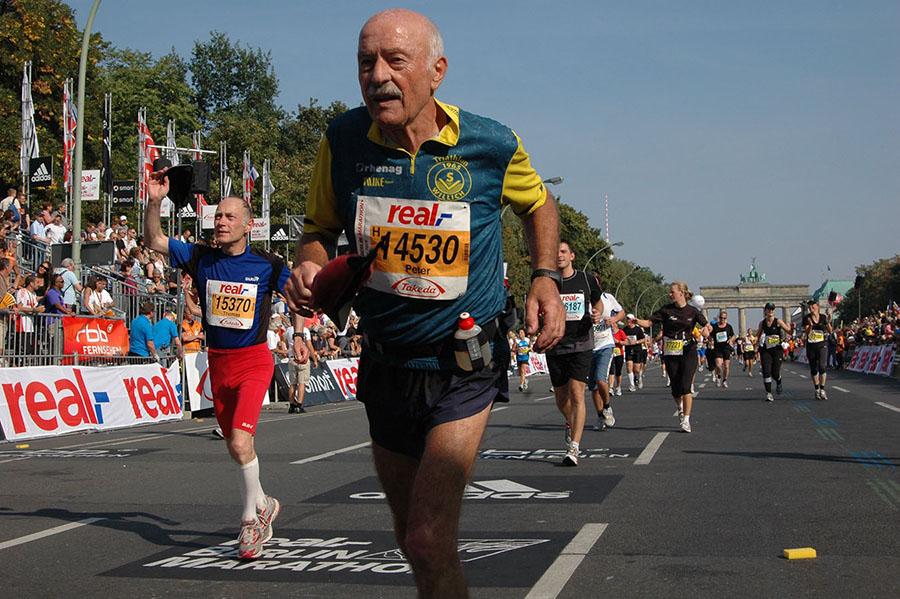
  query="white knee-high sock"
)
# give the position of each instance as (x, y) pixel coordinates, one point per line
(251, 490)
(631, 379)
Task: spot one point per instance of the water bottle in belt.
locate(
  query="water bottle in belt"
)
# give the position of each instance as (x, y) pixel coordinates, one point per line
(471, 347)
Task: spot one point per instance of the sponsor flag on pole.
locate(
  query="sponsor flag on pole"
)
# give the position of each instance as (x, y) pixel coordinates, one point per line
(107, 157)
(171, 152)
(195, 144)
(267, 188)
(147, 155)
(250, 175)
(30, 148)
(70, 122)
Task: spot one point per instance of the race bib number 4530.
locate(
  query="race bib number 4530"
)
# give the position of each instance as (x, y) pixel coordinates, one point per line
(425, 249)
(230, 305)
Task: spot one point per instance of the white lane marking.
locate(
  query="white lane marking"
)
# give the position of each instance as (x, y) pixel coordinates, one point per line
(15, 459)
(543, 398)
(651, 449)
(498, 409)
(563, 567)
(841, 389)
(328, 454)
(887, 405)
(803, 376)
(47, 533)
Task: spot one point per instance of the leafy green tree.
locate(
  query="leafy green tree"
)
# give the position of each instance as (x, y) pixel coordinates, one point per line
(880, 287)
(44, 32)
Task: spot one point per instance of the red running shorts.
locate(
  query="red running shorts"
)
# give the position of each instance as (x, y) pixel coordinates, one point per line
(239, 379)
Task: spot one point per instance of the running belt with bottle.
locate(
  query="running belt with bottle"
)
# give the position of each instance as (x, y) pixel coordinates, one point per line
(578, 293)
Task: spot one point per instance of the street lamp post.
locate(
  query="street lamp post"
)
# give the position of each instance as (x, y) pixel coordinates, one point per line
(636, 268)
(608, 246)
(638, 302)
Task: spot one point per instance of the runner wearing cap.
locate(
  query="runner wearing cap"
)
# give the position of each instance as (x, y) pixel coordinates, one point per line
(431, 180)
(770, 333)
(634, 340)
(682, 325)
(817, 327)
(235, 285)
(722, 336)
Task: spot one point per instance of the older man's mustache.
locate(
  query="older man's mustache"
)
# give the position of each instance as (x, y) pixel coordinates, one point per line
(385, 91)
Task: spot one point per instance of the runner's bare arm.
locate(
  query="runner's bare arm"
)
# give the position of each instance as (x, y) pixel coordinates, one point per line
(153, 235)
(312, 254)
(542, 235)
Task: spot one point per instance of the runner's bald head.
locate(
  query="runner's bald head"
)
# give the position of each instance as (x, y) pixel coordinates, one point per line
(244, 207)
(413, 24)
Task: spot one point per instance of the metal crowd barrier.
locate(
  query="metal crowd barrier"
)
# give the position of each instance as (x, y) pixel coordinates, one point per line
(127, 297)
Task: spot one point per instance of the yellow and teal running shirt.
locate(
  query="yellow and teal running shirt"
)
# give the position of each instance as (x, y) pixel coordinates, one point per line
(434, 215)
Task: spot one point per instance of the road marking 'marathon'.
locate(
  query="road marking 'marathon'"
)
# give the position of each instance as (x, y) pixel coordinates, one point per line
(887, 405)
(841, 389)
(329, 454)
(651, 449)
(47, 533)
(564, 566)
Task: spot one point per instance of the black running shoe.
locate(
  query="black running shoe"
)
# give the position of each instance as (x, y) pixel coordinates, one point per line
(778, 388)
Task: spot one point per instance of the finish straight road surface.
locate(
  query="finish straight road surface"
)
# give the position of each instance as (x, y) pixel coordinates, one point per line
(650, 511)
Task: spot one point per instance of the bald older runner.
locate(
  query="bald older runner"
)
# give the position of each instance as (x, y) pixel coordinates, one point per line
(433, 179)
(235, 284)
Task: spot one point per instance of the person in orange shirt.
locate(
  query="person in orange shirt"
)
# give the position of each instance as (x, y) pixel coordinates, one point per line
(191, 333)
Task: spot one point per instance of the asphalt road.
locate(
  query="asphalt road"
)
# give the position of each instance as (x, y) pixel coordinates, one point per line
(649, 512)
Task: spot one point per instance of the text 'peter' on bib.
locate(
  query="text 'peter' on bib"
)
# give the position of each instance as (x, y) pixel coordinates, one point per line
(574, 305)
(230, 305)
(425, 253)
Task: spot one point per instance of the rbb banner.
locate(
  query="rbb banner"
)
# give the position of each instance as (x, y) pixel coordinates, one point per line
(40, 171)
(344, 372)
(94, 336)
(90, 185)
(54, 400)
(123, 193)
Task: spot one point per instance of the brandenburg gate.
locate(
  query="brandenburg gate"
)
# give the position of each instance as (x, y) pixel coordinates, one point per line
(753, 292)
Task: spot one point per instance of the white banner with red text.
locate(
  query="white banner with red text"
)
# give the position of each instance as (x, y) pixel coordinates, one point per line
(872, 359)
(53, 400)
(199, 389)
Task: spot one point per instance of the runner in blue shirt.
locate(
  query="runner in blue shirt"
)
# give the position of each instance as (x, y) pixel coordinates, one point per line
(235, 285)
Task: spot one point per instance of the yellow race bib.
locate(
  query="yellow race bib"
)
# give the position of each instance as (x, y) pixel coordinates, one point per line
(425, 253)
(815, 336)
(673, 347)
(230, 305)
(773, 340)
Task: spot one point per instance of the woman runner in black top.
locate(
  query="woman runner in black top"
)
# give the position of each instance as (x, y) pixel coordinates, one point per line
(679, 324)
(770, 337)
(723, 339)
(817, 328)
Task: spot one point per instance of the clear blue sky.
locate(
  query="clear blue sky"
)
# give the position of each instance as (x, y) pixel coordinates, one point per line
(720, 131)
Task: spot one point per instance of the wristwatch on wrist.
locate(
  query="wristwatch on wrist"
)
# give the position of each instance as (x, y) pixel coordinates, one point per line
(551, 274)
(297, 335)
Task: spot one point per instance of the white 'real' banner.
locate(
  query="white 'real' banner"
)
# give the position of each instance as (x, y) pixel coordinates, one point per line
(537, 364)
(199, 391)
(344, 372)
(52, 400)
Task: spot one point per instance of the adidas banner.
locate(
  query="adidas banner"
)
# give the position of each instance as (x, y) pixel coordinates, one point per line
(280, 233)
(40, 171)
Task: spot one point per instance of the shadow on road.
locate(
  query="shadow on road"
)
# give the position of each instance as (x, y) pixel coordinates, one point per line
(879, 461)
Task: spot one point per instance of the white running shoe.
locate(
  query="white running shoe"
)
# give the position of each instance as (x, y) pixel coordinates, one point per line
(822, 394)
(551, 388)
(668, 382)
(525, 386)
(769, 397)
(640, 382)
(718, 384)
(217, 432)
(267, 515)
(686, 424)
(818, 393)
(693, 391)
(619, 391)
(571, 457)
(608, 418)
(725, 384)
(250, 542)
(631, 388)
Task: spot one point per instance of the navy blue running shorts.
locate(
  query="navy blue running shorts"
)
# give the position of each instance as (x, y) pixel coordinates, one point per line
(404, 404)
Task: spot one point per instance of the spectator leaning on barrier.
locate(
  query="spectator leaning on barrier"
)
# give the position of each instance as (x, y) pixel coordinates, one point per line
(53, 301)
(165, 331)
(191, 333)
(27, 305)
(55, 230)
(7, 301)
(140, 342)
(39, 227)
(71, 285)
